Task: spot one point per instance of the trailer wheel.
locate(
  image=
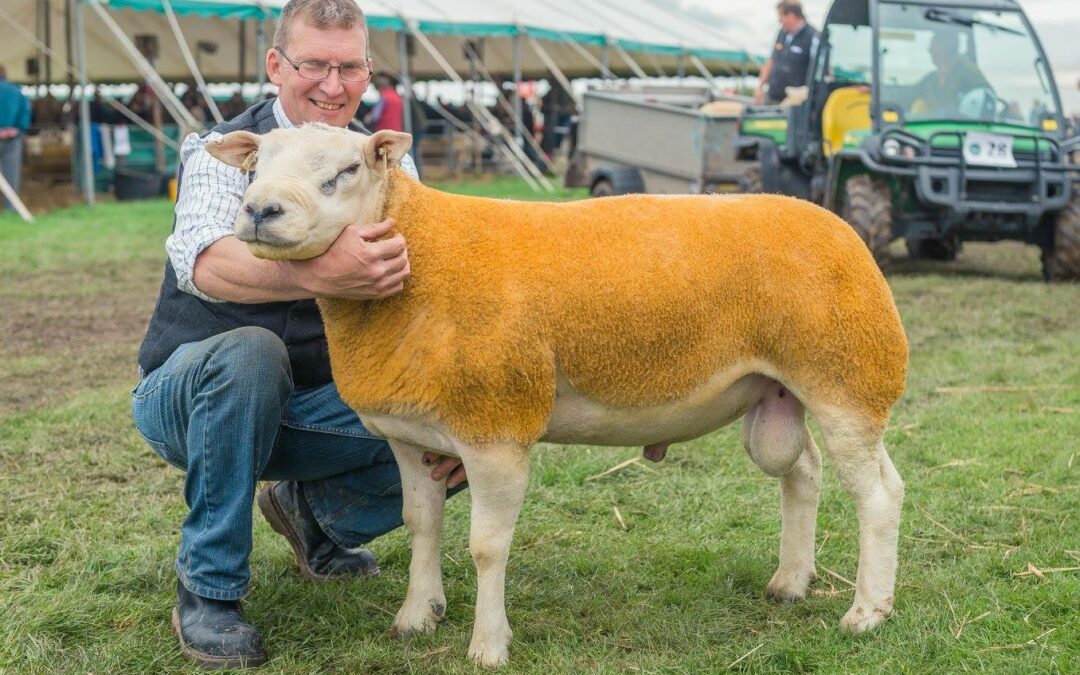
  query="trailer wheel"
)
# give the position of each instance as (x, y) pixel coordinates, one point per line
(603, 188)
(1061, 261)
(867, 207)
(751, 182)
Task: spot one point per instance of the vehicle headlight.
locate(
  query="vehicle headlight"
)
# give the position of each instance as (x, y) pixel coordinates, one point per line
(891, 147)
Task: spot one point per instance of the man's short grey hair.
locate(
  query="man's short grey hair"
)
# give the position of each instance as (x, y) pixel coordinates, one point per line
(320, 14)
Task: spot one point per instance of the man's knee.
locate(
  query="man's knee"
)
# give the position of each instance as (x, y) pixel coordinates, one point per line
(250, 357)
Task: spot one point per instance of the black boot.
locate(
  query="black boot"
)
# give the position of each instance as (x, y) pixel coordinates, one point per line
(213, 633)
(319, 559)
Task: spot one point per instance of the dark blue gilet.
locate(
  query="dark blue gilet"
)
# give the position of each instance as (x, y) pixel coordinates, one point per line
(181, 317)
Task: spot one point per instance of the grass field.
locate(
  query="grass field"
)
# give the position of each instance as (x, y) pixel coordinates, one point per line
(651, 568)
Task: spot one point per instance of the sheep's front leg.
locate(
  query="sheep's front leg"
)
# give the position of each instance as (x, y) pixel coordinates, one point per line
(497, 475)
(422, 511)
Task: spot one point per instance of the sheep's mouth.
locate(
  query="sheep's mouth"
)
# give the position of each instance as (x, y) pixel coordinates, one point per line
(250, 233)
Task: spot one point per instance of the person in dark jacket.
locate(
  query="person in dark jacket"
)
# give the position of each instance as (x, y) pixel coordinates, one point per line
(236, 384)
(790, 59)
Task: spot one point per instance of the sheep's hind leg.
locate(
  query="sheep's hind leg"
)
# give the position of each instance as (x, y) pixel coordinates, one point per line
(868, 475)
(498, 476)
(422, 510)
(776, 438)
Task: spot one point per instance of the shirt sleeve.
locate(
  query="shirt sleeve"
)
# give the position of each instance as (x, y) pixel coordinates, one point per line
(211, 194)
(22, 121)
(409, 166)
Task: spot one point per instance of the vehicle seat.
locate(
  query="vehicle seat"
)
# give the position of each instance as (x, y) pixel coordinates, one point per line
(846, 110)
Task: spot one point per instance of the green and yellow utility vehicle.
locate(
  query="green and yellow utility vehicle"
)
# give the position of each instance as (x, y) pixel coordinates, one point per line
(936, 122)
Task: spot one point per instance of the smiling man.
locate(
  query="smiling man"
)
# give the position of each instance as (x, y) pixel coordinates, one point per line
(235, 378)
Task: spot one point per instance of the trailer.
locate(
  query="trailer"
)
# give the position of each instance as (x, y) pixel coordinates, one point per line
(656, 139)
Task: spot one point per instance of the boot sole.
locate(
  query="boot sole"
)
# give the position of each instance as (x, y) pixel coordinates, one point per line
(211, 661)
(273, 514)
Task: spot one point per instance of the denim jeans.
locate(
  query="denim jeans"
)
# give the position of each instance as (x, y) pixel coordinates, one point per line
(11, 151)
(224, 411)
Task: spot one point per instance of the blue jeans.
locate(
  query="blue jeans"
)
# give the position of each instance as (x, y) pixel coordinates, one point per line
(224, 411)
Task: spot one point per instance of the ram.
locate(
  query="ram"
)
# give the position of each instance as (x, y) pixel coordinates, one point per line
(637, 320)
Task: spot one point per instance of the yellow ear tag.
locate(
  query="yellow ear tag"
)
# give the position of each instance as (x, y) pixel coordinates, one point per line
(249, 161)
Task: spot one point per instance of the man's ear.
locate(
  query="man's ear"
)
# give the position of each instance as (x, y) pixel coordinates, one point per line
(393, 144)
(235, 148)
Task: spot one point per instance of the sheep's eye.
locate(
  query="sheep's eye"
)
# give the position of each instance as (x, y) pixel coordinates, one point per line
(329, 186)
(348, 171)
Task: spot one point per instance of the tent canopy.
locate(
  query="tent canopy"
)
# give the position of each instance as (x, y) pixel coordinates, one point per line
(656, 37)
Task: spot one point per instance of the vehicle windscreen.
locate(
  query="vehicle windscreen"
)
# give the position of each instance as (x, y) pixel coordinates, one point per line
(962, 64)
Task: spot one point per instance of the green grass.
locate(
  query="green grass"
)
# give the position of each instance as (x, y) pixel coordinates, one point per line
(89, 516)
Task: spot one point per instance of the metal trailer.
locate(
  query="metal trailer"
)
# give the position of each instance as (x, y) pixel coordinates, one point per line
(654, 139)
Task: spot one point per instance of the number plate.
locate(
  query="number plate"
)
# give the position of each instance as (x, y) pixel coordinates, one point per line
(989, 150)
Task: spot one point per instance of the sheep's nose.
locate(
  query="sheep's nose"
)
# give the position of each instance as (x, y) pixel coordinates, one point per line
(266, 213)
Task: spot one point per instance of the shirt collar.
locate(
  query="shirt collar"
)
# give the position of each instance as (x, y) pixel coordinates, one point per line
(283, 120)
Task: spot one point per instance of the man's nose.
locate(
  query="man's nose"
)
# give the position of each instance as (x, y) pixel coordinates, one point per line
(332, 85)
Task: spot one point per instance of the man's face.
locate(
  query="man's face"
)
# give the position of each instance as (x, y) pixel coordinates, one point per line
(330, 101)
(788, 22)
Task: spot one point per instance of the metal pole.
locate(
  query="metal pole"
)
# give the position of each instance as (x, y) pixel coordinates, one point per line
(260, 50)
(242, 41)
(406, 82)
(84, 107)
(519, 126)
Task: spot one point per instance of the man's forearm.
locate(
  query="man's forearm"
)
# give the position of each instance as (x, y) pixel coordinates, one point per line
(226, 270)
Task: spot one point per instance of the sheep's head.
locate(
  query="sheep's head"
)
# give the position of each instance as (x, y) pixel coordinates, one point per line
(311, 182)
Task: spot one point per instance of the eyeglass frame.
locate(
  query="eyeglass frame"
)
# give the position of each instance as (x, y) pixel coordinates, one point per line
(329, 68)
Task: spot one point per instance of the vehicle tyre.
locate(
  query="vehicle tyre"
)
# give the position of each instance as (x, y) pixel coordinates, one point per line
(867, 207)
(1061, 262)
(603, 188)
(751, 181)
(928, 248)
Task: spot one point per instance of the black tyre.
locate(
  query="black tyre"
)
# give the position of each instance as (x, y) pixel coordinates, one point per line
(926, 248)
(867, 207)
(602, 188)
(1061, 261)
(750, 181)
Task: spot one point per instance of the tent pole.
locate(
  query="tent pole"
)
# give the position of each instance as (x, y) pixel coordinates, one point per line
(501, 99)
(159, 87)
(519, 127)
(682, 66)
(554, 68)
(84, 107)
(515, 154)
(605, 64)
(241, 67)
(629, 61)
(192, 66)
(406, 83)
(260, 51)
(13, 198)
(584, 53)
(705, 73)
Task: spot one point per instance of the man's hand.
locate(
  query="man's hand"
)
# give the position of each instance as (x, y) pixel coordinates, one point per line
(358, 265)
(759, 96)
(445, 466)
(7, 133)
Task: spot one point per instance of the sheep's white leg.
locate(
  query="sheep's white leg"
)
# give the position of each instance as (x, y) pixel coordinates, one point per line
(497, 475)
(867, 473)
(776, 438)
(422, 510)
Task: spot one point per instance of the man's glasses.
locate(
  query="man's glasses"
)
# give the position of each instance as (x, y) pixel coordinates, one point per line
(320, 70)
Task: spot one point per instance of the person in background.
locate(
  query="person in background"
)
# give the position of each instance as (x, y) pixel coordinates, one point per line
(790, 59)
(389, 112)
(14, 121)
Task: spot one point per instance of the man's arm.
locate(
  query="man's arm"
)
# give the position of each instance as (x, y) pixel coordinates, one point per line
(763, 79)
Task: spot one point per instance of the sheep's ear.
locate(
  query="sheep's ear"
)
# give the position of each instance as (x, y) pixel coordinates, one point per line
(236, 148)
(392, 144)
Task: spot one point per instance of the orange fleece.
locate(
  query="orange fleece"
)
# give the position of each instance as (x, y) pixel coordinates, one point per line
(638, 300)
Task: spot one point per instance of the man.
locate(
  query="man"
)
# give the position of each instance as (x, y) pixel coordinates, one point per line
(14, 121)
(940, 92)
(388, 113)
(237, 385)
(790, 57)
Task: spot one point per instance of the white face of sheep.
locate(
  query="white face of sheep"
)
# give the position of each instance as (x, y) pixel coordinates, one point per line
(310, 183)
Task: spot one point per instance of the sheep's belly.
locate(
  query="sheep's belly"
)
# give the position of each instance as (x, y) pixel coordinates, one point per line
(577, 419)
(726, 397)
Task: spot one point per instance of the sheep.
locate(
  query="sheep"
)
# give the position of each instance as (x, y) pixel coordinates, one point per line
(634, 320)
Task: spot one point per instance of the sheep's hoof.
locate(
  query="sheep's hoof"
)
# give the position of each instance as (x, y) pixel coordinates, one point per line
(418, 622)
(786, 587)
(491, 651)
(860, 620)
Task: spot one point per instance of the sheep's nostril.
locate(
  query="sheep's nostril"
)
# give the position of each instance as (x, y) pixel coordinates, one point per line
(259, 216)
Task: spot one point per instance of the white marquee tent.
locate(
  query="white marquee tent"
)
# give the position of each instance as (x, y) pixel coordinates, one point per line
(576, 36)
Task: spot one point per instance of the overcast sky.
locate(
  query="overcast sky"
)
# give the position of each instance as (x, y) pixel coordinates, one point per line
(752, 25)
